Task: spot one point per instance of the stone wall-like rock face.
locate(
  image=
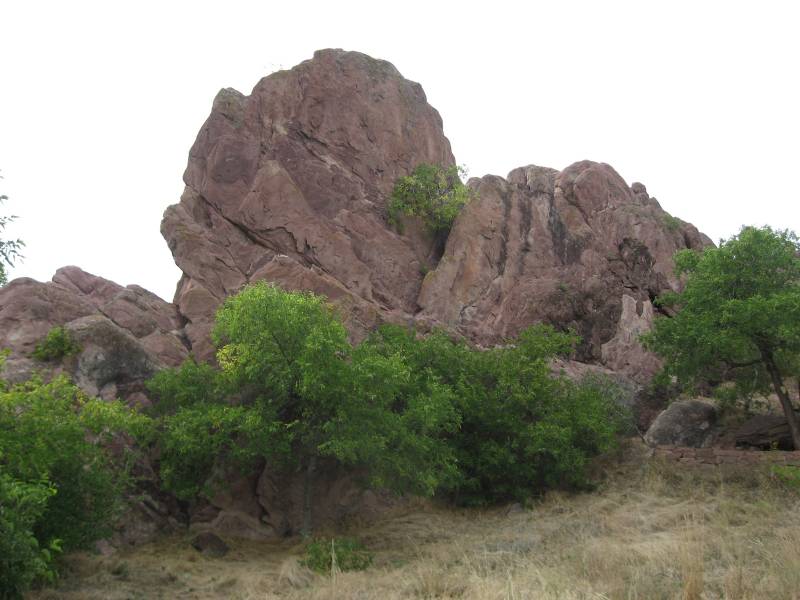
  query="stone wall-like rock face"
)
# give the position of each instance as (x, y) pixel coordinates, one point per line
(576, 248)
(290, 185)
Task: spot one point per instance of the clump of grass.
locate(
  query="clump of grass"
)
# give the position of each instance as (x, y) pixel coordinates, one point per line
(672, 223)
(328, 555)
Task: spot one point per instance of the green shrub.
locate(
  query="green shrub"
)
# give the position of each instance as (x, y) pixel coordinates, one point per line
(190, 384)
(788, 476)
(23, 559)
(60, 487)
(56, 345)
(672, 223)
(324, 555)
(292, 390)
(522, 430)
(433, 193)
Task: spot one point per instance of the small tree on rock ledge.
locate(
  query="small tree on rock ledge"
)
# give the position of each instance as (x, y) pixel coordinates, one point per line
(738, 317)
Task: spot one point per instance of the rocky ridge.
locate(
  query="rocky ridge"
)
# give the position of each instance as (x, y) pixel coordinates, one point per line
(290, 185)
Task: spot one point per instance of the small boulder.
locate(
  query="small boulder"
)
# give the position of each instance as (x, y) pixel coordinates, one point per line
(684, 423)
(764, 432)
(210, 545)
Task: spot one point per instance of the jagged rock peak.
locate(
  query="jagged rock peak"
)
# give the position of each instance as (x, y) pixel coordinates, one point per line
(290, 184)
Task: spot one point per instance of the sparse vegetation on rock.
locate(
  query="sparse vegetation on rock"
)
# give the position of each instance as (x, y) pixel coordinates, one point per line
(434, 194)
(9, 249)
(57, 344)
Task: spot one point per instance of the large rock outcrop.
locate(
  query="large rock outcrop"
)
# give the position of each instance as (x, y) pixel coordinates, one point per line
(290, 184)
(125, 334)
(576, 248)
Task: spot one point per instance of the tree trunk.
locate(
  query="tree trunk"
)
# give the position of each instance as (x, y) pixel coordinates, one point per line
(308, 491)
(783, 396)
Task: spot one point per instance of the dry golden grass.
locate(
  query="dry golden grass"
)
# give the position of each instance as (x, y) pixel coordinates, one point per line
(651, 531)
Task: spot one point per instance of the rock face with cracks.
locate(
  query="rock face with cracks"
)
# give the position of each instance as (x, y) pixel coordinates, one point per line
(290, 184)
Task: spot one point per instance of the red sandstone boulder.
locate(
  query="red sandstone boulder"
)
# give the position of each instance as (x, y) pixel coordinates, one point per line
(125, 333)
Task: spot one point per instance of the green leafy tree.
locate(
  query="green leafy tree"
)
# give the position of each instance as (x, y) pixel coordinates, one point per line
(292, 390)
(435, 194)
(9, 249)
(738, 317)
(23, 560)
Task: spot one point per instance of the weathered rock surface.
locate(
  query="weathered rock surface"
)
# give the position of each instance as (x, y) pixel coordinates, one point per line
(684, 423)
(125, 333)
(576, 248)
(290, 184)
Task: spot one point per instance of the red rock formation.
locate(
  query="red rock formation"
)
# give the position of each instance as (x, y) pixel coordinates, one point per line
(290, 183)
(125, 333)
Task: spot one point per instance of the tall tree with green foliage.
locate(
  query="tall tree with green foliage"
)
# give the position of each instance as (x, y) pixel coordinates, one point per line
(738, 316)
(9, 249)
(302, 393)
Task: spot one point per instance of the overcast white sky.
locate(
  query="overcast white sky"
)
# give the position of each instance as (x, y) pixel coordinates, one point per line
(100, 102)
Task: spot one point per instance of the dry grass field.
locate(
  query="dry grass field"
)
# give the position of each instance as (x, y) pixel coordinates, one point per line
(650, 531)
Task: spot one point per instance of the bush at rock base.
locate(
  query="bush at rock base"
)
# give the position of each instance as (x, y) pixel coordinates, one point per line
(422, 415)
(522, 430)
(22, 559)
(59, 486)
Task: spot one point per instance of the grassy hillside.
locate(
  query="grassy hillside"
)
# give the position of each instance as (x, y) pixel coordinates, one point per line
(650, 531)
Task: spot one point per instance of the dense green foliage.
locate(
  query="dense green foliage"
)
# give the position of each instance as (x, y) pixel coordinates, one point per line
(23, 560)
(198, 429)
(57, 344)
(326, 555)
(59, 487)
(522, 430)
(434, 194)
(738, 317)
(293, 390)
(416, 414)
(9, 249)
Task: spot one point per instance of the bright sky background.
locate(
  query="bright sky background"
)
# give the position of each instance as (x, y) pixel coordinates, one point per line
(100, 102)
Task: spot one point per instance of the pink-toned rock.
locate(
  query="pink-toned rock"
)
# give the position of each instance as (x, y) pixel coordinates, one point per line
(290, 184)
(302, 168)
(576, 248)
(125, 333)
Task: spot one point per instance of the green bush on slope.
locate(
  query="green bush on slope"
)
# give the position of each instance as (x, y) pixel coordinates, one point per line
(59, 487)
